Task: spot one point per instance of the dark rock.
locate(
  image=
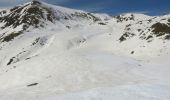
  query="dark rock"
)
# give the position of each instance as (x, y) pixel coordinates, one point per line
(33, 84)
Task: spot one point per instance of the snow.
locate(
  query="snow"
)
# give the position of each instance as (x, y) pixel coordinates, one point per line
(86, 62)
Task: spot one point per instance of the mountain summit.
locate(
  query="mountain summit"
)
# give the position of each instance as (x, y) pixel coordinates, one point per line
(38, 14)
(33, 13)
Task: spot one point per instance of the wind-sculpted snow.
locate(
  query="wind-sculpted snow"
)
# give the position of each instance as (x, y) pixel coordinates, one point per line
(50, 52)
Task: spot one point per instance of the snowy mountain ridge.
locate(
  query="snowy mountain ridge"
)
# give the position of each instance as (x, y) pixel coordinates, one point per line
(49, 52)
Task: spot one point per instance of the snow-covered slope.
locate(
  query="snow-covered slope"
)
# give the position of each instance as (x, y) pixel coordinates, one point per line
(49, 52)
(147, 37)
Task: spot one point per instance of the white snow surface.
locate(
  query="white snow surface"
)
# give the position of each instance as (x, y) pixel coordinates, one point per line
(86, 62)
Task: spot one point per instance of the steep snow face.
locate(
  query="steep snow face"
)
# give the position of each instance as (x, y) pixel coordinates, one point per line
(148, 29)
(49, 52)
(141, 36)
(37, 14)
